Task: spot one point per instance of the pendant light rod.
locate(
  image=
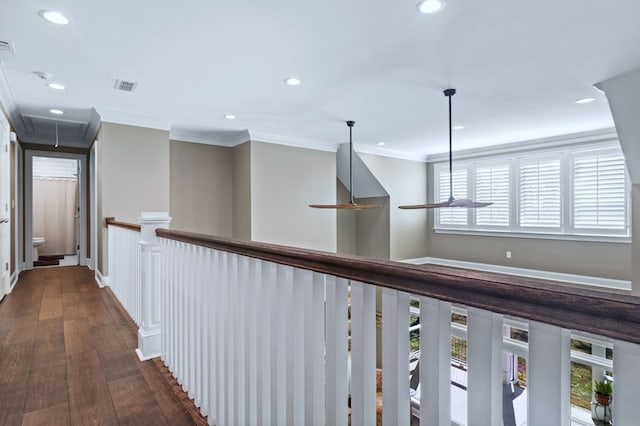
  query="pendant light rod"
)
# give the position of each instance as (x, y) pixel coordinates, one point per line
(351, 123)
(351, 205)
(452, 202)
(449, 93)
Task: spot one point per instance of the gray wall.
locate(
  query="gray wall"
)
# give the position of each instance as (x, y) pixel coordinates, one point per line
(598, 259)
(635, 230)
(346, 223)
(134, 176)
(241, 158)
(201, 184)
(284, 181)
(406, 183)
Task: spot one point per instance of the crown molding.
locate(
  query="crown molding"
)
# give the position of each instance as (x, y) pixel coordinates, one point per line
(400, 155)
(8, 102)
(599, 135)
(131, 119)
(295, 142)
(226, 138)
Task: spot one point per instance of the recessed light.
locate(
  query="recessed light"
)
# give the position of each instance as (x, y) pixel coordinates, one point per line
(585, 100)
(56, 111)
(54, 17)
(431, 7)
(458, 127)
(292, 81)
(56, 86)
(381, 144)
(230, 116)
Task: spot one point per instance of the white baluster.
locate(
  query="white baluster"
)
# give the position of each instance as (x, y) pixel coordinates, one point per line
(626, 386)
(302, 284)
(283, 339)
(548, 375)
(266, 349)
(435, 362)
(484, 346)
(240, 302)
(363, 354)
(253, 325)
(336, 344)
(395, 357)
(314, 326)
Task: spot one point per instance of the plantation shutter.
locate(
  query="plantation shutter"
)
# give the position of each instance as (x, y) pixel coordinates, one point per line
(539, 189)
(452, 216)
(492, 184)
(599, 189)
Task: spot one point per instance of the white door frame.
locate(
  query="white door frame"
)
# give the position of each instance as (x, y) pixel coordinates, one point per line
(28, 202)
(5, 210)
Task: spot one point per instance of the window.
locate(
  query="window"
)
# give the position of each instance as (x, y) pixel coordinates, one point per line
(580, 191)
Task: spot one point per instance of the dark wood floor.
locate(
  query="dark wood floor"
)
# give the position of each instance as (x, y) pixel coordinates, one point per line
(67, 357)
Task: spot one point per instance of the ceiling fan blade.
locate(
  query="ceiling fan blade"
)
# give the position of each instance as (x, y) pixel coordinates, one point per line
(348, 206)
(426, 206)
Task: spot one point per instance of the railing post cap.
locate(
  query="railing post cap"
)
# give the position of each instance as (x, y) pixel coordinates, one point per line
(154, 217)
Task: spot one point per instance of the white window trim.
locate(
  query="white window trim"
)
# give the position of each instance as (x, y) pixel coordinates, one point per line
(566, 230)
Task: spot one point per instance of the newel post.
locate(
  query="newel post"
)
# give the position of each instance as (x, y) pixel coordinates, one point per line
(150, 327)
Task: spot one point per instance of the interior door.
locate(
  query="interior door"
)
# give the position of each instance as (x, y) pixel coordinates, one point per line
(5, 214)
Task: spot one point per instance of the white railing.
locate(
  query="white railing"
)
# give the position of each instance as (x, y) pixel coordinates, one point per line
(262, 335)
(124, 269)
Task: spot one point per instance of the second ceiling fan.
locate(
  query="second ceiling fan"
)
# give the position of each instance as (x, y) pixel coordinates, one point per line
(452, 201)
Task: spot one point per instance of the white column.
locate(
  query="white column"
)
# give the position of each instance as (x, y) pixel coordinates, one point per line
(435, 362)
(150, 328)
(548, 375)
(484, 346)
(626, 386)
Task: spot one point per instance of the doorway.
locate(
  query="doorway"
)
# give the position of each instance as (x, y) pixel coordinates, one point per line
(55, 209)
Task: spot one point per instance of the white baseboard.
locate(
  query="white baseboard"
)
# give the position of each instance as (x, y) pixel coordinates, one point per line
(90, 263)
(604, 283)
(14, 279)
(101, 280)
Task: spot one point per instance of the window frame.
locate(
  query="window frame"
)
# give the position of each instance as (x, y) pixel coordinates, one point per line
(566, 230)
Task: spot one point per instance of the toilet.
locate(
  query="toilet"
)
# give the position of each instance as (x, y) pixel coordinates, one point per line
(37, 242)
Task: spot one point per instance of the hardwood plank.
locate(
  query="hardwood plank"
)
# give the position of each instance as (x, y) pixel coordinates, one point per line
(50, 308)
(116, 358)
(49, 338)
(15, 362)
(11, 404)
(47, 386)
(22, 331)
(172, 409)
(76, 333)
(57, 415)
(52, 288)
(134, 401)
(89, 397)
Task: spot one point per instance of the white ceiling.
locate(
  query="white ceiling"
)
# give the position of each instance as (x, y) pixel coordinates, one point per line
(518, 67)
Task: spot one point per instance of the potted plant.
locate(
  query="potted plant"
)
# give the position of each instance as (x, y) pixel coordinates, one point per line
(603, 390)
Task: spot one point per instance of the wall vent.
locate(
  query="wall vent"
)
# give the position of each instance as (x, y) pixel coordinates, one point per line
(6, 46)
(125, 86)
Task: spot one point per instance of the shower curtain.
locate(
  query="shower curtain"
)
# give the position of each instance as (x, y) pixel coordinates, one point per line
(54, 210)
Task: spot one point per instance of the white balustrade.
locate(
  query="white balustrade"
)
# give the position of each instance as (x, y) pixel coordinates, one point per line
(260, 343)
(125, 269)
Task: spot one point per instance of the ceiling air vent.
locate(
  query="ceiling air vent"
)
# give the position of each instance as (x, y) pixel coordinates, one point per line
(6, 46)
(125, 86)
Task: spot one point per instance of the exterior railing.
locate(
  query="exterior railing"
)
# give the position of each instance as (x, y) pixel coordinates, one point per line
(259, 334)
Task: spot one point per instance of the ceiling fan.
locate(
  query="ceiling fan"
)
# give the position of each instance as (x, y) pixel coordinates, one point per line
(351, 205)
(451, 202)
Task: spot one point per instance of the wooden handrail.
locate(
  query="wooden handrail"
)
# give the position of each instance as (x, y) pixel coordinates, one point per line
(599, 312)
(112, 221)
